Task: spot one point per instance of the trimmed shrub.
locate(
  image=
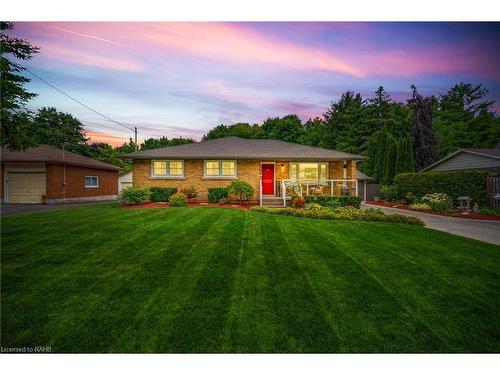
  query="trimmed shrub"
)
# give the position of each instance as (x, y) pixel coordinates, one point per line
(216, 194)
(344, 213)
(242, 189)
(334, 201)
(178, 200)
(190, 192)
(390, 192)
(298, 202)
(161, 194)
(313, 207)
(455, 184)
(134, 195)
(437, 201)
(420, 206)
(224, 200)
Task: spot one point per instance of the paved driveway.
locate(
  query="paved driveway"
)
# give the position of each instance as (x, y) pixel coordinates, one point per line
(483, 230)
(8, 209)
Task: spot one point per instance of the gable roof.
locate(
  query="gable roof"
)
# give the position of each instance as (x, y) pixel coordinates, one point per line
(53, 155)
(492, 153)
(243, 148)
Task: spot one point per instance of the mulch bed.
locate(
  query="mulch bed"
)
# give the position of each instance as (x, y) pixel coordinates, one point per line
(463, 215)
(244, 206)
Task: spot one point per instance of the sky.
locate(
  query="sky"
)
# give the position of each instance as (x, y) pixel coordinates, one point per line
(181, 79)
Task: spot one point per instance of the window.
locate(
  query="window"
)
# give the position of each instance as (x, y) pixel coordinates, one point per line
(220, 168)
(91, 181)
(308, 171)
(167, 168)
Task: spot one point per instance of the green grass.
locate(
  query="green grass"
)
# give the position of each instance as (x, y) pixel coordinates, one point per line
(110, 279)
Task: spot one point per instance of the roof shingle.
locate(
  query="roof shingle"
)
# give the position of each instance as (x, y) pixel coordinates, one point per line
(53, 155)
(243, 148)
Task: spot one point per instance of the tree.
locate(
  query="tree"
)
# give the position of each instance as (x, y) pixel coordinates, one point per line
(243, 130)
(152, 143)
(314, 133)
(13, 120)
(57, 129)
(288, 128)
(464, 118)
(424, 141)
(345, 125)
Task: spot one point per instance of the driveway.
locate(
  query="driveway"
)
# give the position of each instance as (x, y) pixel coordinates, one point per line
(9, 209)
(482, 230)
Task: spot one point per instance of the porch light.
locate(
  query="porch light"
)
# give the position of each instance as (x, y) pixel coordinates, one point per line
(282, 167)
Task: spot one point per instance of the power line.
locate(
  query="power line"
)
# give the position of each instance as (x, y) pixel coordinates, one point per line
(79, 102)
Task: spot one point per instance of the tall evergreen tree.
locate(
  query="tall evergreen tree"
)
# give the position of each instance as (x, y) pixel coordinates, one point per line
(14, 120)
(424, 141)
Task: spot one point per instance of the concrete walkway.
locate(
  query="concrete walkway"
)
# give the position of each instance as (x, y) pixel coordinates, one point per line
(482, 230)
(9, 209)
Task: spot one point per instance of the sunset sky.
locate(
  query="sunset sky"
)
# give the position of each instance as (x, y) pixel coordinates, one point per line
(182, 79)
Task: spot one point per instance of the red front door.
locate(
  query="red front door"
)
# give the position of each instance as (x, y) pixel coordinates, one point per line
(267, 178)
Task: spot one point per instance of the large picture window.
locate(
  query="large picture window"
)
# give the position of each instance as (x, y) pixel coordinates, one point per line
(308, 171)
(167, 168)
(220, 168)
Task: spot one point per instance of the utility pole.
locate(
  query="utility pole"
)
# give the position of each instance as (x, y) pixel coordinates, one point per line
(135, 135)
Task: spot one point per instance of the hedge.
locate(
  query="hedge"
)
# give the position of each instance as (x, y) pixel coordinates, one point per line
(161, 194)
(134, 195)
(455, 184)
(341, 214)
(334, 200)
(216, 194)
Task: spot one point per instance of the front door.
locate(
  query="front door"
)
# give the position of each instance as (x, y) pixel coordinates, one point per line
(267, 178)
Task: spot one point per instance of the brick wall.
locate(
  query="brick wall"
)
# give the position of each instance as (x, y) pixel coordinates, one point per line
(247, 170)
(75, 182)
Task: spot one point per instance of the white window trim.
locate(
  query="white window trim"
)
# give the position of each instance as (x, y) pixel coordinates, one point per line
(166, 176)
(309, 162)
(220, 176)
(91, 187)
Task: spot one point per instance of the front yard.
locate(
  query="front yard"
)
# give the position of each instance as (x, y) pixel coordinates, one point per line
(110, 279)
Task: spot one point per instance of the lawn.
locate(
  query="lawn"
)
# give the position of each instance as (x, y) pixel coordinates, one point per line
(110, 279)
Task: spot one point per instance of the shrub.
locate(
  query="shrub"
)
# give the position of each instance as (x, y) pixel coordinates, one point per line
(334, 201)
(344, 213)
(437, 201)
(216, 194)
(455, 184)
(242, 189)
(224, 200)
(489, 211)
(390, 192)
(190, 192)
(134, 195)
(298, 202)
(162, 194)
(178, 200)
(313, 207)
(409, 198)
(372, 210)
(420, 206)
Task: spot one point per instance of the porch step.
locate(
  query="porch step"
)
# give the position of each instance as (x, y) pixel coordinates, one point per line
(272, 201)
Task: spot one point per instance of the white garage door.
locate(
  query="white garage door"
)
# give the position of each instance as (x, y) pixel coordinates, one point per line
(25, 187)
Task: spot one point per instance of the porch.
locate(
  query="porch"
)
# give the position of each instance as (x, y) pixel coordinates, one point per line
(284, 189)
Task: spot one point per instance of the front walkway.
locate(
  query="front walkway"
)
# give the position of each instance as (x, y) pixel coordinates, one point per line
(482, 230)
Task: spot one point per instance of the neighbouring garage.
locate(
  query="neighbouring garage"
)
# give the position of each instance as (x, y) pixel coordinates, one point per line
(25, 187)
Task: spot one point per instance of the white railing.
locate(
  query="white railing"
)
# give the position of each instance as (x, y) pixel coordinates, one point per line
(260, 190)
(318, 187)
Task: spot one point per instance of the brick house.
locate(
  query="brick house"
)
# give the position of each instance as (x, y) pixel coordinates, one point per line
(48, 174)
(274, 168)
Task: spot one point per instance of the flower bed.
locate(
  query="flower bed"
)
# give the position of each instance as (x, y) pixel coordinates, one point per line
(464, 215)
(244, 206)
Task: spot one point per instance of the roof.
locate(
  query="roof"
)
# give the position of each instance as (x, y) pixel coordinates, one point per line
(361, 176)
(243, 148)
(53, 155)
(493, 153)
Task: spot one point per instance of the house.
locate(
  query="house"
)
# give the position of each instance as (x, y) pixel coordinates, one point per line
(275, 169)
(484, 159)
(124, 180)
(49, 174)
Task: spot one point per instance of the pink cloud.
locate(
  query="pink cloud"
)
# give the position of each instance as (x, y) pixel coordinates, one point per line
(106, 138)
